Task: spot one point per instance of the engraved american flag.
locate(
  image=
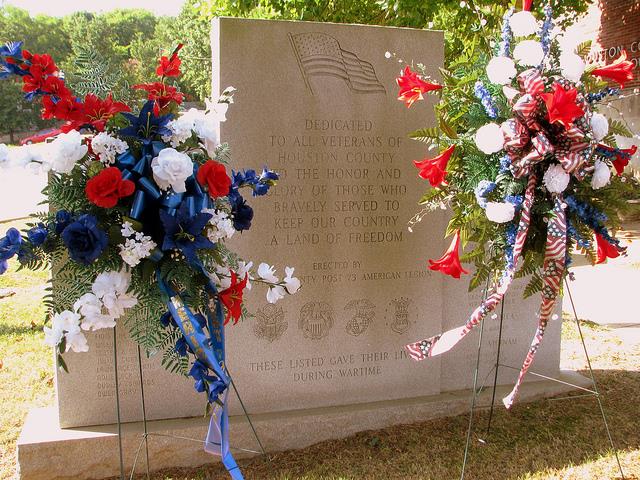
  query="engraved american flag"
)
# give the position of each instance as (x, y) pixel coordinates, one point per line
(319, 54)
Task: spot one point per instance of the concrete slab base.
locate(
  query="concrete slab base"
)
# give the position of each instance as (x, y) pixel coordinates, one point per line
(45, 451)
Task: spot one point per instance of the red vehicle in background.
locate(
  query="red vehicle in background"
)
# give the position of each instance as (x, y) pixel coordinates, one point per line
(41, 136)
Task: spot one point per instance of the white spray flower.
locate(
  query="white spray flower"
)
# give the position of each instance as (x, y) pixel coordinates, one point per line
(275, 293)
(489, 138)
(107, 147)
(76, 341)
(501, 70)
(267, 273)
(91, 309)
(599, 126)
(556, 179)
(500, 212)
(291, 283)
(601, 175)
(529, 53)
(111, 287)
(523, 24)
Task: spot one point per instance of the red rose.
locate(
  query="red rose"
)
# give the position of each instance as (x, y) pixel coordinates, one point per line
(106, 188)
(213, 175)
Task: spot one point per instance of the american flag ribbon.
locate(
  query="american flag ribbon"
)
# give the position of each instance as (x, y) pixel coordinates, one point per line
(320, 54)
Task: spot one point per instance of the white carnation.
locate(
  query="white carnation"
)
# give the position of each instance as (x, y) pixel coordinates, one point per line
(500, 212)
(489, 138)
(108, 147)
(529, 53)
(171, 169)
(572, 66)
(501, 70)
(509, 92)
(601, 175)
(523, 24)
(599, 126)
(65, 151)
(556, 179)
(4, 156)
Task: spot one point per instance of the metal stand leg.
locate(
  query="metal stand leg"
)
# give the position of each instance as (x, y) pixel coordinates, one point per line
(246, 414)
(593, 381)
(495, 378)
(144, 413)
(115, 368)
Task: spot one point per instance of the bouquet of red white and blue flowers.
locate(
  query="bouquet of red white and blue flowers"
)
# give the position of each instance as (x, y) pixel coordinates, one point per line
(525, 163)
(141, 204)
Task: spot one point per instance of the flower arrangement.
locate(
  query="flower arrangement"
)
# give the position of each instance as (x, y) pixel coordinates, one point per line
(525, 165)
(142, 205)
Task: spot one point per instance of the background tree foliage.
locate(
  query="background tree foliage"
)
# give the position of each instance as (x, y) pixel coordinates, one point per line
(129, 41)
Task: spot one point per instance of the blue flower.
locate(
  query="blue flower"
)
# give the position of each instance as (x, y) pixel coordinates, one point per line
(184, 232)
(241, 212)
(63, 219)
(10, 244)
(38, 234)
(181, 347)
(259, 184)
(12, 50)
(3, 266)
(484, 188)
(84, 240)
(146, 126)
(204, 382)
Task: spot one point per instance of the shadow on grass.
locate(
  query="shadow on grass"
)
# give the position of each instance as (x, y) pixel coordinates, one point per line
(533, 437)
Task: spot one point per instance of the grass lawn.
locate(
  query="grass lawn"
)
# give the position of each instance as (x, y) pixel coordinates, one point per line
(562, 439)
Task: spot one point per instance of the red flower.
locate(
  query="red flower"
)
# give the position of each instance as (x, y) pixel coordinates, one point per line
(161, 95)
(412, 87)
(231, 298)
(55, 86)
(213, 175)
(106, 188)
(620, 71)
(95, 112)
(434, 169)
(170, 67)
(562, 106)
(33, 81)
(44, 63)
(605, 249)
(66, 108)
(449, 263)
(621, 161)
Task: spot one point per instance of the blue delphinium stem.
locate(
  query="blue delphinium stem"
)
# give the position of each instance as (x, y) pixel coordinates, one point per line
(484, 96)
(506, 35)
(547, 28)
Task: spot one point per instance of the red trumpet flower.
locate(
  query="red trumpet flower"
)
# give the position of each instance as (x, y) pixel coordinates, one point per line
(620, 71)
(412, 87)
(562, 106)
(605, 249)
(231, 298)
(434, 169)
(449, 263)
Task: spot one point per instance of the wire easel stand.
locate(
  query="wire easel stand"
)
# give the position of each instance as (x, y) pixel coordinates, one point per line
(588, 392)
(144, 441)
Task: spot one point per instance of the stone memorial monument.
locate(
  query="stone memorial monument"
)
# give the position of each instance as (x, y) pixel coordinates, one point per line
(317, 103)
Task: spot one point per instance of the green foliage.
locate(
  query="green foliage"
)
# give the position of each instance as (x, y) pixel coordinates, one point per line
(92, 74)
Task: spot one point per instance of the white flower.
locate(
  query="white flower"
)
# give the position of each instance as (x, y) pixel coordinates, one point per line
(111, 288)
(244, 270)
(219, 109)
(181, 130)
(291, 283)
(275, 293)
(501, 70)
(267, 273)
(599, 126)
(556, 179)
(52, 336)
(127, 229)
(529, 53)
(4, 156)
(65, 151)
(572, 66)
(76, 341)
(30, 156)
(136, 247)
(91, 309)
(500, 212)
(509, 92)
(489, 138)
(171, 169)
(66, 321)
(107, 147)
(601, 175)
(523, 24)
(221, 225)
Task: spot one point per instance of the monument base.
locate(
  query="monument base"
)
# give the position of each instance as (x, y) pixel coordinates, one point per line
(45, 451)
